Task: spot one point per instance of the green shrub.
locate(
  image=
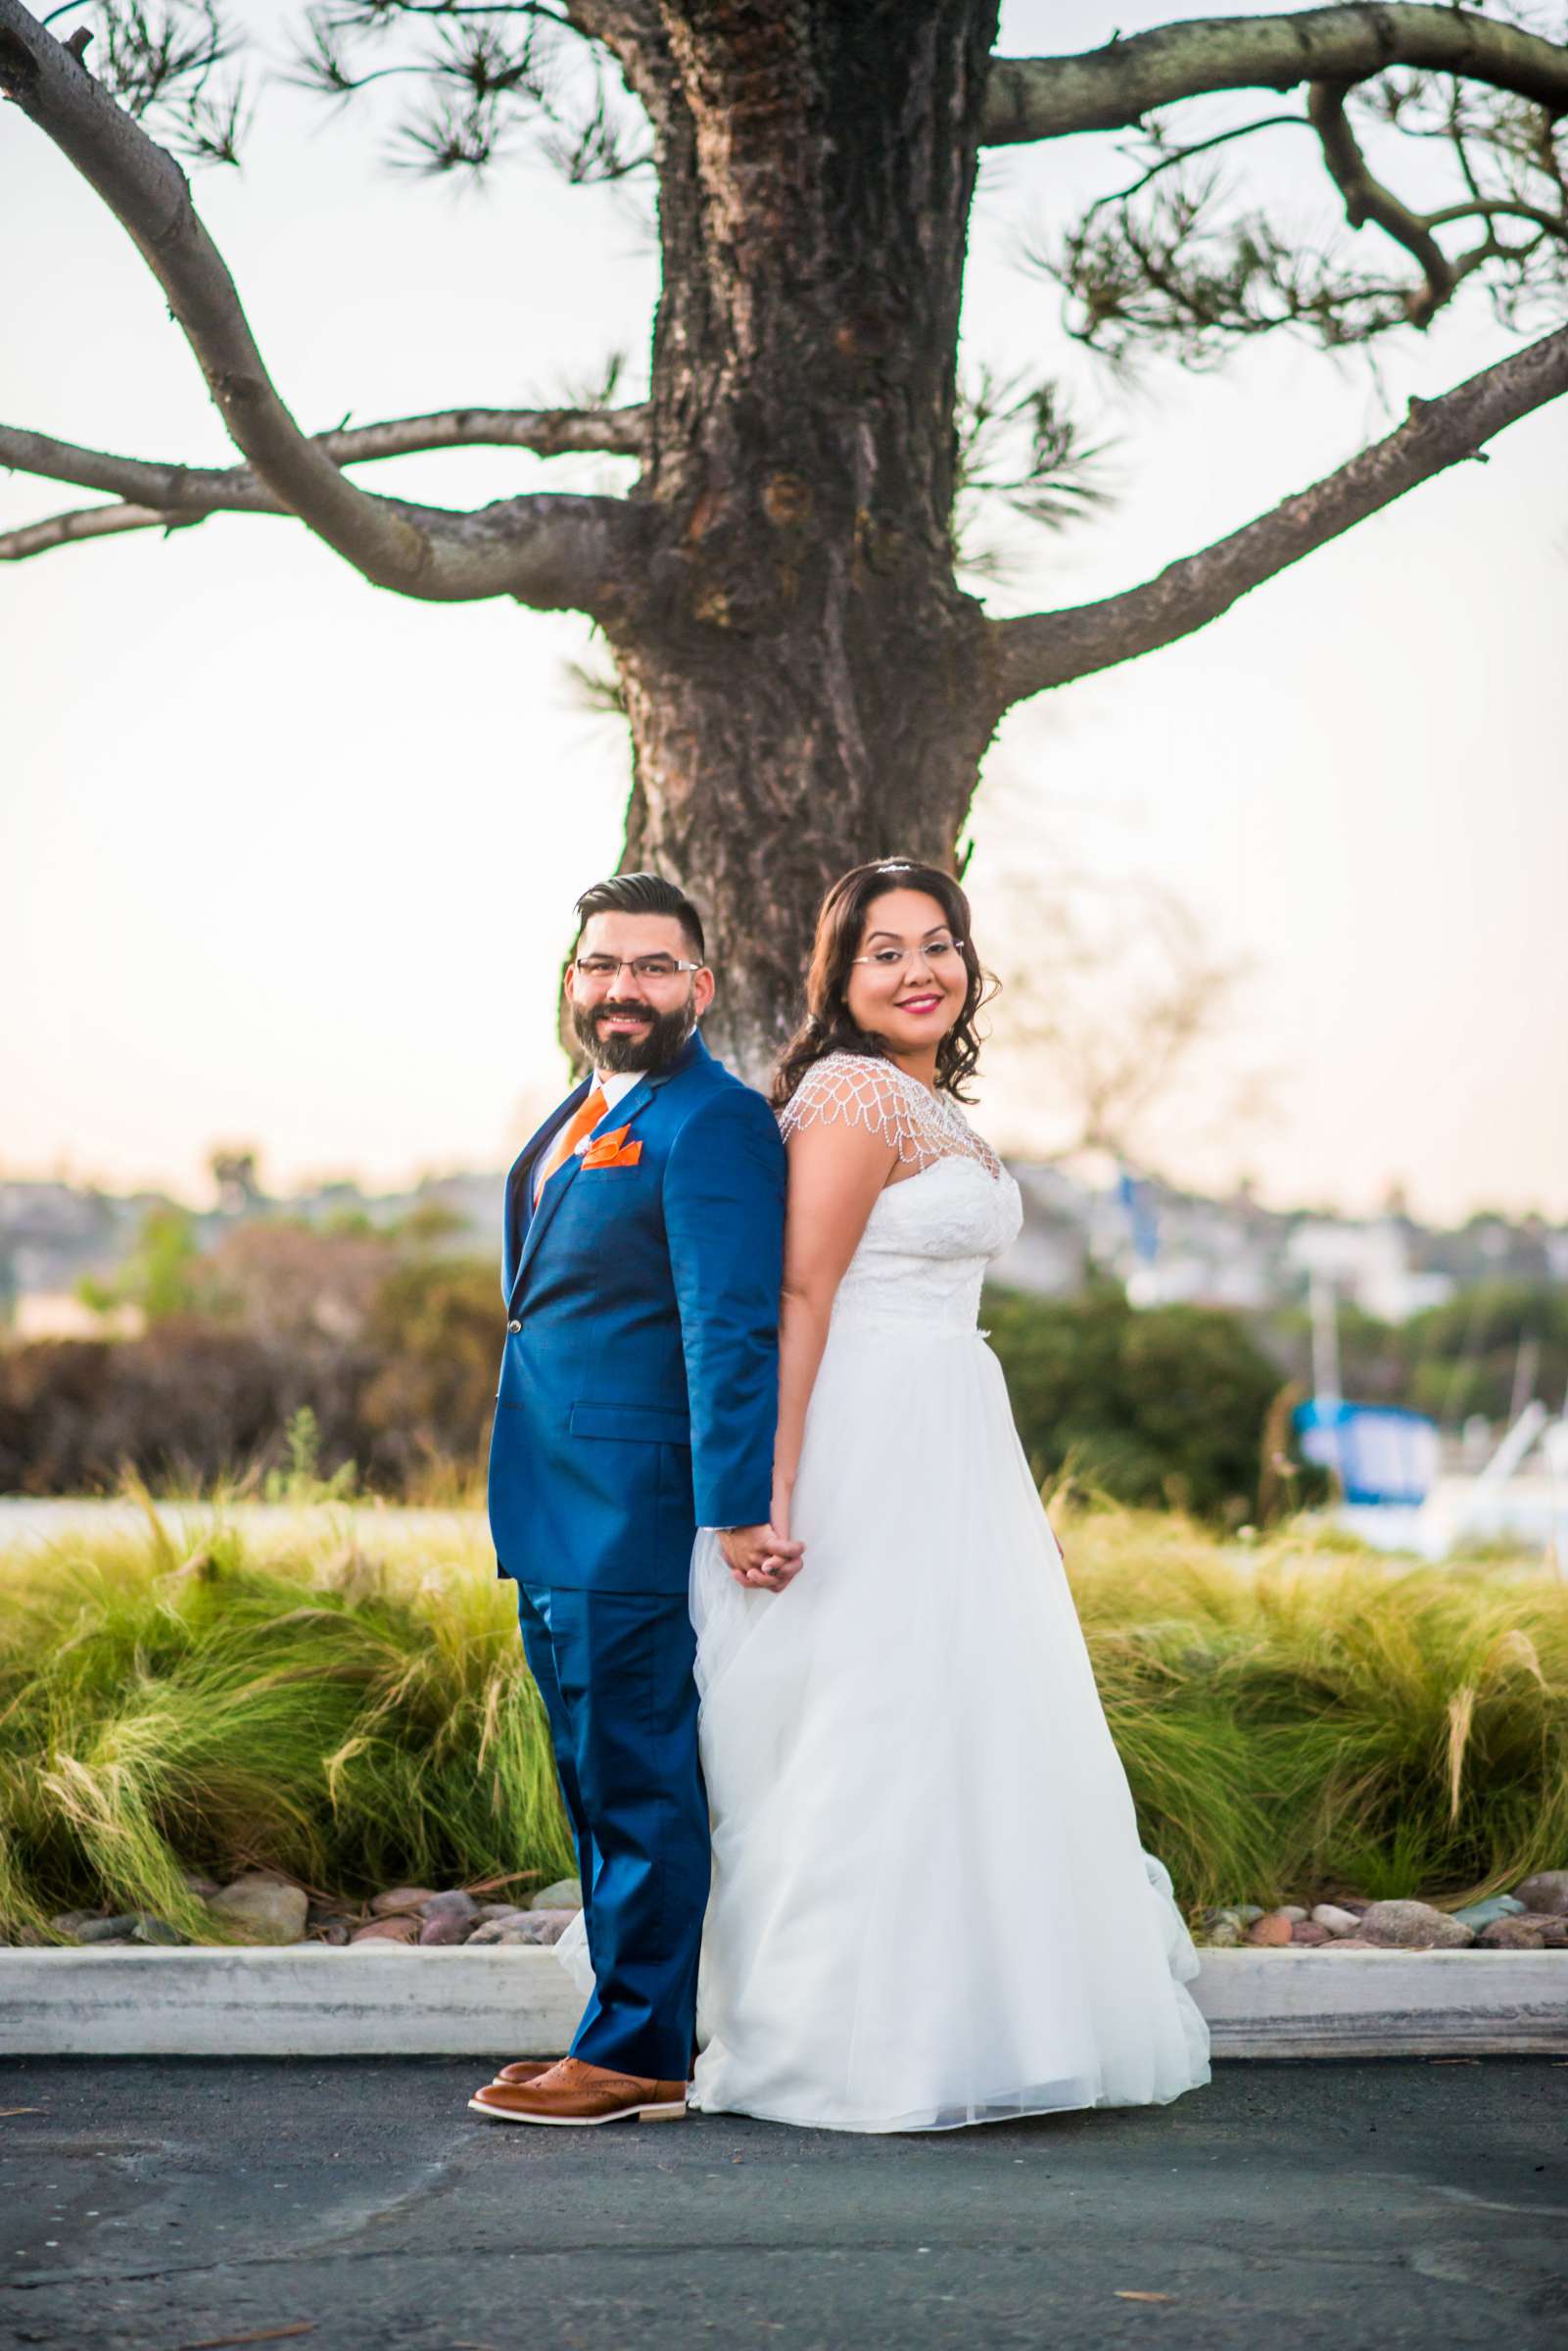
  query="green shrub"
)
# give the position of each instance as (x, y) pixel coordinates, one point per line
(403, 1389)
(1297, 1717)
(1159, 1405)
(354, 1721)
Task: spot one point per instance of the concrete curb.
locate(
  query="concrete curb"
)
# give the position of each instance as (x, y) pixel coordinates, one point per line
(381, 1999)
(1306, 2002)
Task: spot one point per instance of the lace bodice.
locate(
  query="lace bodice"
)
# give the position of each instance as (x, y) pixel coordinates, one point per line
(930, 1235)
(862, 1090)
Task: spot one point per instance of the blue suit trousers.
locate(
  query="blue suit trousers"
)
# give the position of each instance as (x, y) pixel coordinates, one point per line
(614, 1670)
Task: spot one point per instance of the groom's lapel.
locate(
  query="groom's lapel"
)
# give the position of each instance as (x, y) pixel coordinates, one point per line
(560, 1183)
(520, 1185)
(629, 1107)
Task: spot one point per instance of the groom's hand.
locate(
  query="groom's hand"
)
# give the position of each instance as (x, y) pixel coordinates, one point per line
(761, 1558)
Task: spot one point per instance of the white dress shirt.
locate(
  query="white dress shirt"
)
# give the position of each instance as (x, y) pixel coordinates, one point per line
(613, 1086)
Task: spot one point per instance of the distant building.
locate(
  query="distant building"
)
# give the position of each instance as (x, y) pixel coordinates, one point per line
(1369, 1264)
(1166, 1245)
(51, 1234)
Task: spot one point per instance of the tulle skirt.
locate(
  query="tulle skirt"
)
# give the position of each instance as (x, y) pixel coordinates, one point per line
(929, 1902)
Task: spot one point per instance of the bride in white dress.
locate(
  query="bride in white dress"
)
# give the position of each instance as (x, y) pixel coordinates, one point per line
(930, 1903)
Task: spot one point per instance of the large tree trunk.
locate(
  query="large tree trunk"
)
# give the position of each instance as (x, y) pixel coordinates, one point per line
(804, 681)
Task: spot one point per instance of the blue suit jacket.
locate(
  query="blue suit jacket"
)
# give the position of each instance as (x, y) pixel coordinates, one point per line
(638, 1388)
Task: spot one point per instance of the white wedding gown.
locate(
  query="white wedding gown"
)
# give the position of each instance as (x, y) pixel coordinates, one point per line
(929, 1902)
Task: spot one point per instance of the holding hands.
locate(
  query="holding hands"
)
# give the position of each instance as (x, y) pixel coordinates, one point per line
(763, 1559)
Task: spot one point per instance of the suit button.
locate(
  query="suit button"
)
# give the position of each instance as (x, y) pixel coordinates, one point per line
(514, 1326)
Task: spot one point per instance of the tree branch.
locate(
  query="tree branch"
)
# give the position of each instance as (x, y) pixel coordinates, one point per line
(207, 489)
(636, 35)
(85, 522)
(1111, 88)
(1368, 199)
(553, 552)
(1504, 207)
(1176, 157)
(1052, 649)
(417, 550)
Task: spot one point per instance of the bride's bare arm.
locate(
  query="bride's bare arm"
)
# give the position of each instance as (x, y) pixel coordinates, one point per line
(836, 1171)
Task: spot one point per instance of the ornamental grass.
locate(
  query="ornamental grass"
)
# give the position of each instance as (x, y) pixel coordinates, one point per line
(345, 1700)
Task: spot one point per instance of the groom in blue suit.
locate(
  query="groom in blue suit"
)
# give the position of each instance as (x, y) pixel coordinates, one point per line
(638, 1401)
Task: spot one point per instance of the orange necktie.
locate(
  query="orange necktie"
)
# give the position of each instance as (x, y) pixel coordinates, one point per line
(570, 1135)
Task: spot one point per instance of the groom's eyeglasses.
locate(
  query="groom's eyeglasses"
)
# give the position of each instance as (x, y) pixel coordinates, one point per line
(596, 968)
(939, 953)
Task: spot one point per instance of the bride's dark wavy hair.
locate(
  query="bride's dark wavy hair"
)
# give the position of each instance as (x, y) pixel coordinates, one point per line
(840, 928)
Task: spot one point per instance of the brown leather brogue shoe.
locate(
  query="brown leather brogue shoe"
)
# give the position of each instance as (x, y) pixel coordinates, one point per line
(577, 2095)
(526, 2069)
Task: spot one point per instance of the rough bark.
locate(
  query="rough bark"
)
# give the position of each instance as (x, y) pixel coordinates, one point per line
(803, 679)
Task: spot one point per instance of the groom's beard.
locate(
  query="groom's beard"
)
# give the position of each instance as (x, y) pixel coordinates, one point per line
(616, 1053)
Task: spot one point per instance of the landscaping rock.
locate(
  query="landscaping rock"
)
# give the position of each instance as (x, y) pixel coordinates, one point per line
(1547, 1891)
(149, 1929)
(1413, 1927)
(401, 1898)
(266, 1908)
(1224, 1934)
(107, 1929)
(1481, 1914)
(565, 1894)
(204, 1887)
(549, 1926)
(1238, 1915)
(446, 1927)
(1335, 1919)
(1293, 1912)
(528, 1927)
(336, 1930)
(1307, 1930)
(1521, 1934)
(454, 1905)
(490, 1911)
(1271, 1928)
(71, 1921)
(388, 1930)
(1530, 1930)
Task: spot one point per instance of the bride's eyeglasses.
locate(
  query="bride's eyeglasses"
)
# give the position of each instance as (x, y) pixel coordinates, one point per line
(943, 954)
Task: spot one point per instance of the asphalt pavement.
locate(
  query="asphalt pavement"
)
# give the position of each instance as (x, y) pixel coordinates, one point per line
(154, 2205)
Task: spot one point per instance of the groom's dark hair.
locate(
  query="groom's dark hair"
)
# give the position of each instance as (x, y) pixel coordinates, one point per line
(642, 894)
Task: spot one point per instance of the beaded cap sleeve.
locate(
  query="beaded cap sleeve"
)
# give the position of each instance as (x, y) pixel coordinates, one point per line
(861, 1090)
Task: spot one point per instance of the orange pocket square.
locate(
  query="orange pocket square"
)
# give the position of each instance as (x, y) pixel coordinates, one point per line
(611, 1150)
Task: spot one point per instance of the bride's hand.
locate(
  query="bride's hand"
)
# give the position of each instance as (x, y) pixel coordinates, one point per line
(780, 1506)
(761, 1558)
(784, 1562)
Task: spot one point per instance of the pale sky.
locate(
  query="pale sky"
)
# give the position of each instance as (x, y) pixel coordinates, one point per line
(288, 861)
